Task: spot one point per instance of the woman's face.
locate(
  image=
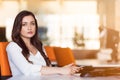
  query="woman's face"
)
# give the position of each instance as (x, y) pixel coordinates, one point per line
(28, 27)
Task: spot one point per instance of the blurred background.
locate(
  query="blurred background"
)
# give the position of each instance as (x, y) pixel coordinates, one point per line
(78, 24)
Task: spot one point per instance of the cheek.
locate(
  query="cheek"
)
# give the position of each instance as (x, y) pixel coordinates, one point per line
(22, 31)
(34, 29)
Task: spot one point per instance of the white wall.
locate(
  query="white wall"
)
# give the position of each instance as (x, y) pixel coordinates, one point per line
(8, 9)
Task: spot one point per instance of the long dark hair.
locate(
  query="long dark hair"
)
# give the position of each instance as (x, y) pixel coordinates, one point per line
(34, 40)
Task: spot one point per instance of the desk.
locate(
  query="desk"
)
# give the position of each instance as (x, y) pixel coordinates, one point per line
(63, 77)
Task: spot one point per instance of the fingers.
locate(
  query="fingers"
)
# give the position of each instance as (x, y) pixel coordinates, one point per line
(72, 68)
(75, 69)
(72, 64)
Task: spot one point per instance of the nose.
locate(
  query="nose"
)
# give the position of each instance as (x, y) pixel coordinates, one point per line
(29, 27)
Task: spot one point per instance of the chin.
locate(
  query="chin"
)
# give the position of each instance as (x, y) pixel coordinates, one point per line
(30, 36)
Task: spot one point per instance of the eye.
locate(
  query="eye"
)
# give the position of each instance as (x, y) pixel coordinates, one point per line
(23, 24)
(33, 23)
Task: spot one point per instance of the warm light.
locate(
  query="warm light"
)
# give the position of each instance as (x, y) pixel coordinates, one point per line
(9, 24)
(75, 14)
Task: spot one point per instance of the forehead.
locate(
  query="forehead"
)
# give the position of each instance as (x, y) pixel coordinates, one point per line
(28, 18)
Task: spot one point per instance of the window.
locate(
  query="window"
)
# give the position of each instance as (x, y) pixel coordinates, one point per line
(78, 17)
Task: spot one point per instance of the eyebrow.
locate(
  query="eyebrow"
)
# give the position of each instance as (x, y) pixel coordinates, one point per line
(26, 22)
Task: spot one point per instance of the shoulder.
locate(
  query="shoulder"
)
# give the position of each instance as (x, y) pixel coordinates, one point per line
(13, 45)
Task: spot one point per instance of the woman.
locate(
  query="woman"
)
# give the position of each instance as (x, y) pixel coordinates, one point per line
(26, 54)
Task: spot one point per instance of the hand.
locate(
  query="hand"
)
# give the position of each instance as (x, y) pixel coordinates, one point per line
(70, 69)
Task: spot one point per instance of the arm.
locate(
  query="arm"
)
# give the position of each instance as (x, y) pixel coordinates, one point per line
(68, 69)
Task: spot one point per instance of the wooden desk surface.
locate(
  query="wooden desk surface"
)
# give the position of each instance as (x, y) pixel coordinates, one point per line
(63, 77)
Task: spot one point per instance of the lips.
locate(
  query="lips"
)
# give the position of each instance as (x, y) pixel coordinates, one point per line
(30, 32)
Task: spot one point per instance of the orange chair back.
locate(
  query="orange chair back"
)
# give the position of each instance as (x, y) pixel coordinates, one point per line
(64, 56)
(5, 68)
(50, 53)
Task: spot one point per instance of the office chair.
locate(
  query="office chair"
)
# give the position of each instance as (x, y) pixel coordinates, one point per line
(50, 53)
(4, 64)
(63, 56)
